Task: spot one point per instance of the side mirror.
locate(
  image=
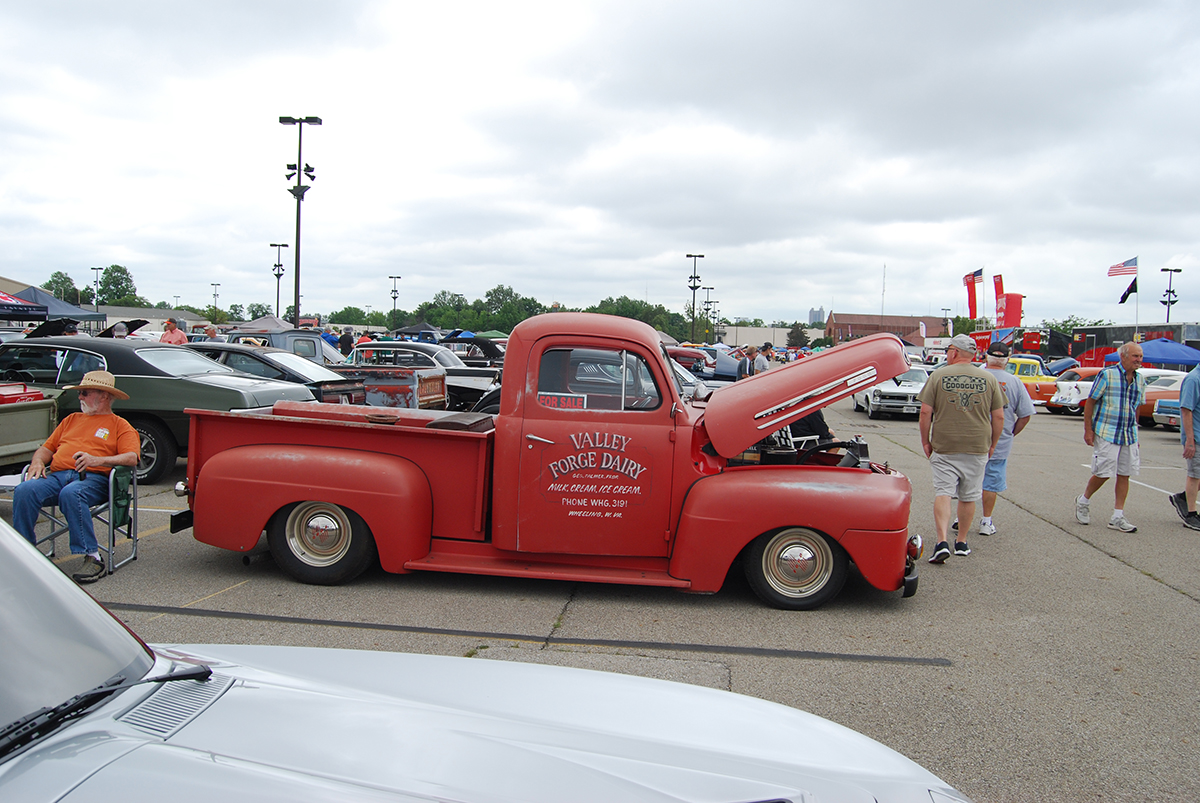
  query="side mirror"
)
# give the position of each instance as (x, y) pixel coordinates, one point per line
(701, 391)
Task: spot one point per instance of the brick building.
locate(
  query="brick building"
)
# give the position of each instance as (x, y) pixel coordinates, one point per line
(845, 326)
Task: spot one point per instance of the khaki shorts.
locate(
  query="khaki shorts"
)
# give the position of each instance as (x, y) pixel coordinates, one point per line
(959, 475)
(1109, 459)
(1193, 466)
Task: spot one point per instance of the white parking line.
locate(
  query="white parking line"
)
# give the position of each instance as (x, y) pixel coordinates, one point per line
(1144, 485)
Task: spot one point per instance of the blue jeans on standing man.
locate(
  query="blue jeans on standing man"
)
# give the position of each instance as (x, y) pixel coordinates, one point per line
(74, 498)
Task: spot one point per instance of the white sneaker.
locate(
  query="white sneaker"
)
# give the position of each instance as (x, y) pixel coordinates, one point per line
(1083, 511)
(987, 528)
(1121, 523)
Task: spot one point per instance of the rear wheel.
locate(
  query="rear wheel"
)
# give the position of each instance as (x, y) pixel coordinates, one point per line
(796, 569)
(320, 543)
(158, 450)
(1147, 423)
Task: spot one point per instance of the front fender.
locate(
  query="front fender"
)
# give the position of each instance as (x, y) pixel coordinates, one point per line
(239, 489)
(865, 512)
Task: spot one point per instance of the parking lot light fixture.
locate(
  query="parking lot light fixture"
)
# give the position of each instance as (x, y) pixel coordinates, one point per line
(277, 269)
(694, 285)
(298, 191)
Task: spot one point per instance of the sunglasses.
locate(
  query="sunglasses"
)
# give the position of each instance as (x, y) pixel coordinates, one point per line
(85, 392)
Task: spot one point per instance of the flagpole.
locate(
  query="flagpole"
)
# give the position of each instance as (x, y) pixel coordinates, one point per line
(1136, 306)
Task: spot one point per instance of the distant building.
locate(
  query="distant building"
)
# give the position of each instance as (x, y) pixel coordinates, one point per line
(841, 327)
(816, 315)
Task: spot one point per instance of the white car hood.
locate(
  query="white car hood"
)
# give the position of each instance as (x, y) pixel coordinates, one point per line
(333, 725)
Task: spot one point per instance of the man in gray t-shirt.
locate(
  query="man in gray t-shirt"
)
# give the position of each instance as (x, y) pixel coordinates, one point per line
(1016, 415)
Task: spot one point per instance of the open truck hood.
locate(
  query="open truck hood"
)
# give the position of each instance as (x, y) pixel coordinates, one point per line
(744, 413)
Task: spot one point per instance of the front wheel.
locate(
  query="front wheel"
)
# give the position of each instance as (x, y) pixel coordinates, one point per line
(320, 543)
(795, 569)
(872, 412)
(158, 451)
(857, 407)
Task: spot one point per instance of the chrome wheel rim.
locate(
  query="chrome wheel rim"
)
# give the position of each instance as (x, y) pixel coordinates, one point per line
(797, 563)
(318, 533)
(149, 453)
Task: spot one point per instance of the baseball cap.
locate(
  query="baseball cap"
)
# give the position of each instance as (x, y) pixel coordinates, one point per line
(998, 349)
(175, 321)
(963, 343)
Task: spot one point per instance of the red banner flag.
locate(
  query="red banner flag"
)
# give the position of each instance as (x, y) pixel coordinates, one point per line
(970, 280)
(1011, 309)
(999, 287)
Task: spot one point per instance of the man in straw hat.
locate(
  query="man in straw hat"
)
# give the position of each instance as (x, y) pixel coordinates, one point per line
(72, 467)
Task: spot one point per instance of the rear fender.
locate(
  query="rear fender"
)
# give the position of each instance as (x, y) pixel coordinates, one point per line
(866, 513)
(239, 489)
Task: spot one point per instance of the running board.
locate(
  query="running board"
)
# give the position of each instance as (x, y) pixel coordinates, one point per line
(508, 567)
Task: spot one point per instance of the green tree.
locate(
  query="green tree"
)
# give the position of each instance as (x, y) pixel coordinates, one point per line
(349, 315)
(289, 314)
(162, 305)
(1072, 322)
(116, 284)
(396, 319)
(216, 315)
(236, 312)
(374, 318)
(62, 286)
(258, 311)
(964, 325)
(797, 336)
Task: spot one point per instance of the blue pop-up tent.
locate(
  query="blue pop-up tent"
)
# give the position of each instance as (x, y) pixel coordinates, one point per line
(1164, 351)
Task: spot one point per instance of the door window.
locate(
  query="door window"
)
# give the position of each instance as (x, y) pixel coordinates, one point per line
(596, 379)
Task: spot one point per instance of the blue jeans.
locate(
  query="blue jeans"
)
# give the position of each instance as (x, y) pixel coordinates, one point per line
(74, 498)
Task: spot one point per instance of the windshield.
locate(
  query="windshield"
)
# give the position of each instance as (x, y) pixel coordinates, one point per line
(182, 362)
(305, 367)
(913, 375)
(57, 642)
(448, 359)
(1164, 382)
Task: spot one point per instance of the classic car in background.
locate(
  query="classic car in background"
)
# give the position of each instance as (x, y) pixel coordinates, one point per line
(476, 352)
(161, 380)
(1075, 385)
(465, 384)
(1041, 384)
(1071, 390)
(285, 366)
(400, 373)
(896, 396)
(91, 713)
(1164, 388)
(1166, 413)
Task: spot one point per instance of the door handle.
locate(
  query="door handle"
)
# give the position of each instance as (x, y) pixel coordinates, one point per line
(539, 440)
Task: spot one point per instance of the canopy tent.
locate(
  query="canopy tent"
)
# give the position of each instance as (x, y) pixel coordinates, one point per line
(1163, 351)
(56, 308)
(492, 334)
(18, 309)
(267, 323)
(418, 328)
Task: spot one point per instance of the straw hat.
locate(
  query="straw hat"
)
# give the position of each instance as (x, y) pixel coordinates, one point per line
(99, 380)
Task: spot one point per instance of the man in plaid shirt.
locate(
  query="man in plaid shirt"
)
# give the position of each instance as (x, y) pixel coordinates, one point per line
(1110, 428)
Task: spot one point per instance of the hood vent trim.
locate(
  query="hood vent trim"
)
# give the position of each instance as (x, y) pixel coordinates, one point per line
(174, 705)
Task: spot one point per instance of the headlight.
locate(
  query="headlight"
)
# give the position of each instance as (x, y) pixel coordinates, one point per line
(875, 394)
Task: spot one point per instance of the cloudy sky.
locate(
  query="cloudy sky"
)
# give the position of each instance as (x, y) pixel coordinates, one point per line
(577, 150)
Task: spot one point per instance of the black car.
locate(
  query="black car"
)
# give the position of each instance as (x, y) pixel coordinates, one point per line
(286, 366)
(161, 380)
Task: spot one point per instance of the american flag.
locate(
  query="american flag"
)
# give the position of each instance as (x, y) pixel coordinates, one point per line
(973, 278)
(1126, 268)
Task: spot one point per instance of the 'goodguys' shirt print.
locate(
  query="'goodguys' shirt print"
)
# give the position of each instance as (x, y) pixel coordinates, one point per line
(962, 398)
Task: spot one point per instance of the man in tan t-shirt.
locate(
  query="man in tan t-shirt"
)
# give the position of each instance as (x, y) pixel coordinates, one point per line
(962, 417)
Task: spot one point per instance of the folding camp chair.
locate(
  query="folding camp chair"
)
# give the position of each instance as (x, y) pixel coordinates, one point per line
(118, 513)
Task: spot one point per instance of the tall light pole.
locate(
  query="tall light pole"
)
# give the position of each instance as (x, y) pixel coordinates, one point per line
(215, 285)
(1169, 296)
(96, 300)
(395, 295)
(707, 307)
(277, 269)
(299, 170)
(694, 285)
(946, 320)
(176, 303)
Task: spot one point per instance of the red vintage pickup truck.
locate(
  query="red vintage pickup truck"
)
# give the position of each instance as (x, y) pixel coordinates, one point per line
(594, 469)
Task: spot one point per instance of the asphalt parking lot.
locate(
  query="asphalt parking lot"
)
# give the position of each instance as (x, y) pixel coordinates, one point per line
(1056, 662)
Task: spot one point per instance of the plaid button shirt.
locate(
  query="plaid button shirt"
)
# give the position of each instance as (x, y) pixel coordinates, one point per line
(1117, 400)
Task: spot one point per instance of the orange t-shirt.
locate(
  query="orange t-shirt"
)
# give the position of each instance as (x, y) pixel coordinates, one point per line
(105, 435)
